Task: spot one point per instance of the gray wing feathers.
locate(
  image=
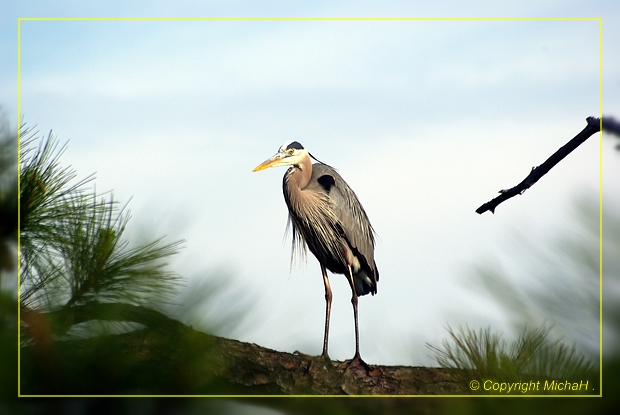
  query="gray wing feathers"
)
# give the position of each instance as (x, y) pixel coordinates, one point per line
(350, 213)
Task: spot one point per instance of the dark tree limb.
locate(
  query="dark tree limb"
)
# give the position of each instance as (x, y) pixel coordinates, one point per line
(167, 357)
(593, 127)
(611, 125)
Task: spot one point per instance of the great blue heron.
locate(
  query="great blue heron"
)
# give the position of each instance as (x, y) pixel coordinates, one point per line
(327, 217)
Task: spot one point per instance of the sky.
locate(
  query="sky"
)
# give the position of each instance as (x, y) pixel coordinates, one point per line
(425, 120)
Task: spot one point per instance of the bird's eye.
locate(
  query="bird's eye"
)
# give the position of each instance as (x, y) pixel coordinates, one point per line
(290, 151)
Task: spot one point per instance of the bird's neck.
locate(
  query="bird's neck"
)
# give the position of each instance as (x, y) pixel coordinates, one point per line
(299, 175)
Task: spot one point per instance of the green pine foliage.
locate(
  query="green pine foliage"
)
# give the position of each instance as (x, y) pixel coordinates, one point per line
(484, 355)
(8, 196)
(73, 253)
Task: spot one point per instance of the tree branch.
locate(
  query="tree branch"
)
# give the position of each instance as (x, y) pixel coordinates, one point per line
(170, 358)
(593, 127)
(611, 126)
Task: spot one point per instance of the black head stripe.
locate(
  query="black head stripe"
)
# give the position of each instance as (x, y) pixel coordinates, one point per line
(295, 145)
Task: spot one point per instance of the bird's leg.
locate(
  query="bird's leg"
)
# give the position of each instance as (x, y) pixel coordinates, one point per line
(354, 302)
(357, 358)
(328, 308)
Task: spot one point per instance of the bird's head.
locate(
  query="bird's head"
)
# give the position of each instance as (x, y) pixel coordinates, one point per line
(291, 153)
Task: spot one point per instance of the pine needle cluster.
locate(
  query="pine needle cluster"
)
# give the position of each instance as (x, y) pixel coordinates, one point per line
(73, 254)
(484, 355)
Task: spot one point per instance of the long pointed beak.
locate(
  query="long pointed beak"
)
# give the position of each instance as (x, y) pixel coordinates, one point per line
(274, 161)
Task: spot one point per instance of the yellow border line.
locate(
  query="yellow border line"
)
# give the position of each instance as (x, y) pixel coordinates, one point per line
(600, 204)
(310, 18)
(310, 396)
(19, 332)
(599, 19)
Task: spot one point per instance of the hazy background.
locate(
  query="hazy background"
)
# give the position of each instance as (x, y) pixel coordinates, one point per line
(426, 120)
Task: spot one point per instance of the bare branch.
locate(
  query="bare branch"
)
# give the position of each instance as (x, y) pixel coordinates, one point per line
(612, 126)
(176, 359)
(593, 127)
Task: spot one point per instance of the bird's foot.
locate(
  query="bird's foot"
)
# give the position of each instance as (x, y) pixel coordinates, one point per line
(320, 363)
(323, 358)
(357, 363)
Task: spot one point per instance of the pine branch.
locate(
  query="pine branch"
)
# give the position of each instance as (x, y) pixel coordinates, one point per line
(176, 359)
(593, 127)
(72, 249)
